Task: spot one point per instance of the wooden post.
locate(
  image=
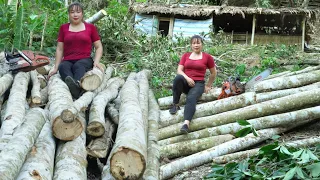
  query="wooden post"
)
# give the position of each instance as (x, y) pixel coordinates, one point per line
(303, 26)
(171, 23)
(253, 29)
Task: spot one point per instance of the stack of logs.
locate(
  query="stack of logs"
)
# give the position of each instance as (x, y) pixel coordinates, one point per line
(44, 132)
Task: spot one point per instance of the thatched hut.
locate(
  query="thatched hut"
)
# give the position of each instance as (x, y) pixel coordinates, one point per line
(241, 24)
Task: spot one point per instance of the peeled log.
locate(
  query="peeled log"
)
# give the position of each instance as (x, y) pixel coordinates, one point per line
(260, 97)
(96, 124)
(5, 83)
(44, 70)
(200, 158)
(209, 108)
(288, 82)
(15, 111)
(153, 152)
(275, 106)
(40, 161)
(193, 146)
(303, 115)
(99, 147)
(92, 79)
(71, 158)
(35, 91)
(14, 154)
(252, 152)
(97, 16)
(59, 100)
(128, 156)
(212, 95)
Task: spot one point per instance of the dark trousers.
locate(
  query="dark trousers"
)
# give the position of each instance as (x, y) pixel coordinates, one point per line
(75, 68)
(180, 86)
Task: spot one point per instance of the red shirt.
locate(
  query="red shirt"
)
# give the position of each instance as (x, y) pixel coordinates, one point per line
(77, 45)
(196, 69)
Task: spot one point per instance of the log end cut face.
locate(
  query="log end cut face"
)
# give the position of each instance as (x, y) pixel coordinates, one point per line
(90, 82)
(127, 164)
(95, 129)
(67, 131)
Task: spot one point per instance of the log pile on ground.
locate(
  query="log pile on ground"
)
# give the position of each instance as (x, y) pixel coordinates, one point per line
(45, 134)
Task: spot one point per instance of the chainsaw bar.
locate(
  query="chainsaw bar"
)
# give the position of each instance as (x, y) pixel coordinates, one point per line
(264, 74)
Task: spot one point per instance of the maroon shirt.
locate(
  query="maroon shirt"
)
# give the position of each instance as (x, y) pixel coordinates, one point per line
(77, 45)
(196, 69)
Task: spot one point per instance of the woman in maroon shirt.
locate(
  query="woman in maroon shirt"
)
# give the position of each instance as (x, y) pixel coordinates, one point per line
(73, 54)
(190, 79)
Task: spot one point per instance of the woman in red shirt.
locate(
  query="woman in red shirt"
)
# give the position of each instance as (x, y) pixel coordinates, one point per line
(73, 54)
(190, 79)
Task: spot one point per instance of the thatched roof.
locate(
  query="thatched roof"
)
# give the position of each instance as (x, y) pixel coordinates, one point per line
(198, 11)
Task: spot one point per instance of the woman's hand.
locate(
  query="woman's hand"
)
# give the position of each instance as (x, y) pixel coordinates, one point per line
(207, 89)
(54, 71)
(98, 65)
(190, 82)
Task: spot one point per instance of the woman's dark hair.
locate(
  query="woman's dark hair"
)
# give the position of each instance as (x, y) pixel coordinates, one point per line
(197, 38)
(75, 5)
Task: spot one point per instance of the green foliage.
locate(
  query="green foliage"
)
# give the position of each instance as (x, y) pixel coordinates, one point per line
(18, 27)
(274, 161)
(248, 128)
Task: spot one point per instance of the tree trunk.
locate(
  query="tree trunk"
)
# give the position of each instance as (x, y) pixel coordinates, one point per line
(35, 91)
(15, 111)
(44, 70)
(277, 75)
(261, 97)
(212, 95)
(107, 75)
(96, 124)
(44, 98)
(99, 147)
(153, 153)
(106, 173)
(83, 102)
(186, 148)
(303, 115)
(71, 158)
(275, 106)
(209, 108)
(305, 70)
(92, 79)
(42, 80)
(143, 81)
(97, 16)
(287, 82)
(5, 83)
(113, 113)
(59, 100)
(252, 152)
(130, 148)
(200, 158)
(40, 161)
(13, 155)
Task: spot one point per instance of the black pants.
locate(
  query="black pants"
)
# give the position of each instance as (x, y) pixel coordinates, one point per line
(75, 68)
(180, 86)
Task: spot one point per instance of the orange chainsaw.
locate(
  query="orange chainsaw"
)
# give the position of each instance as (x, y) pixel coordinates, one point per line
(233, 86)
(25, 60)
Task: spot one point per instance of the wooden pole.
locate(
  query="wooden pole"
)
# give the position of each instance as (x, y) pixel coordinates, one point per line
(303, 26)
(253, 29)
